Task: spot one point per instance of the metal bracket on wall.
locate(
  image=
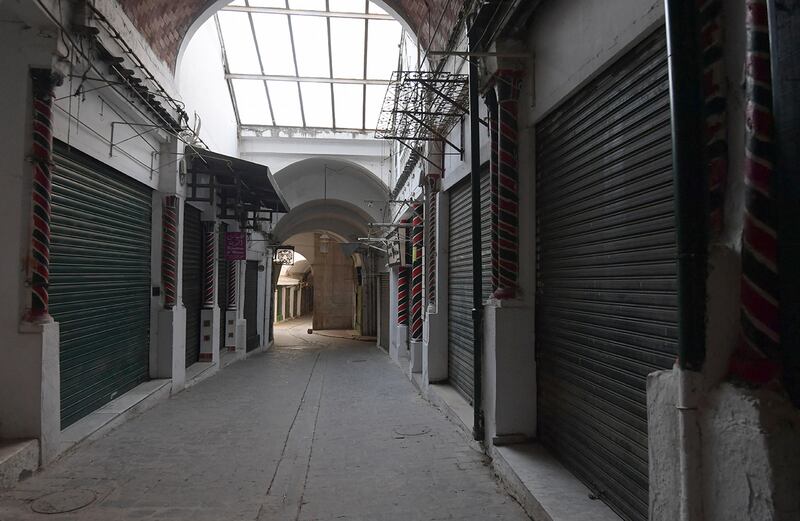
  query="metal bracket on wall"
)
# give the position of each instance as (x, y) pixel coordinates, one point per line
(422, 107)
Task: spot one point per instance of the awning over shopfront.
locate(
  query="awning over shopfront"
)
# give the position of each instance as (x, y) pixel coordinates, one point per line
(244, 190)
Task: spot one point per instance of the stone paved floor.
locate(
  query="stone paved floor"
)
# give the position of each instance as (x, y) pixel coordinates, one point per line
(316, 429)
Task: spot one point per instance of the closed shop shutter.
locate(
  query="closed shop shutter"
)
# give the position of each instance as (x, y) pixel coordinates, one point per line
(460, 356)
(222, 283)
(384, 311)
(192, 280)
(251, 304)
(606, 299)
(99, 281)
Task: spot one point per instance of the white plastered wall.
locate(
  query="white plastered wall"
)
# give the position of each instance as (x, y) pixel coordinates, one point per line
(202, 87)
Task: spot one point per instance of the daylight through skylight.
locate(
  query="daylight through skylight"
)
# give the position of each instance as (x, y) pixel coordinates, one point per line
(308, 63)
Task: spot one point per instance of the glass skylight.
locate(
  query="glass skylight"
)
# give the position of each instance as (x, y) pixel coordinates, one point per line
(308, 63)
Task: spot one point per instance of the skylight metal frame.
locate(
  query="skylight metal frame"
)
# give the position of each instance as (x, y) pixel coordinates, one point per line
(365, 82)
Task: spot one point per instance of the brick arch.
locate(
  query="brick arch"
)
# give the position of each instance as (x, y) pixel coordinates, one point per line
(165, 23)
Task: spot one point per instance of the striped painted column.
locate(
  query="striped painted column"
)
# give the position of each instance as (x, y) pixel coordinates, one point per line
(416, 274)
(209, 263)
(508, 87)
(431, 243)
(38, 266)
(169, 250)
(491, 104)
(758, 357)
(402, 288)
(232, 286)
(715, 94)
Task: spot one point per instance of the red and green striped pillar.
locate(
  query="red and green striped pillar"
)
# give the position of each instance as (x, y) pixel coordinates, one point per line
(416, 274)
(402, 285)
(715, 109)
(209, 263)
(38, 265)
(494, 136)
(508, 83)
(232, 276)
(169, 250)
(431, 243)
(757, 359)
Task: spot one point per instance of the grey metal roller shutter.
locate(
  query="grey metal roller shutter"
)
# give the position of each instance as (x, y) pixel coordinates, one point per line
(460, 356)
(192, 280)
(251, 304)
(606, 299)
(100, 281)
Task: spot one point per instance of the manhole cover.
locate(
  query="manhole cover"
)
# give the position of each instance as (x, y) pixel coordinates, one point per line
(411, 431)
(64, 501)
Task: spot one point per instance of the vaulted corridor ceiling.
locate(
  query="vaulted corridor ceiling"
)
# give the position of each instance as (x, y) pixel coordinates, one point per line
(165, 23)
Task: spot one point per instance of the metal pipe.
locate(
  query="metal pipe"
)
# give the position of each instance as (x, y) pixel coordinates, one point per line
(690, 178)
(477, 297)
(692, 231)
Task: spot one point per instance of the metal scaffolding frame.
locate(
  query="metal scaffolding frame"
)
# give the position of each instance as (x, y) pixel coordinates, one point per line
(423, 106)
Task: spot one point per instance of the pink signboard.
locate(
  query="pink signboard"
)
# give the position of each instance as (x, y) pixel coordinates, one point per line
(235, 246)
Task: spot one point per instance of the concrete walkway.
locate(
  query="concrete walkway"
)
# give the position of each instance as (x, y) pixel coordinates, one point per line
(316, 429)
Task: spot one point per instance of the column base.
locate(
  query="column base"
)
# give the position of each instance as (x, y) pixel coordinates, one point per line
(434, 349)
(509, 370)
(399, 349)
(241, 337)
(31, 388)
(209, 335)
(415, 362)
(171, 350)
(230, 330)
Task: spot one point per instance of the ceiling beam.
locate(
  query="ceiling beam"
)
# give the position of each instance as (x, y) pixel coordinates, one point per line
(306, 12)
(305, 79)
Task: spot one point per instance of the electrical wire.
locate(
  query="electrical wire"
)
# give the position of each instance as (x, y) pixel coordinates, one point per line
(167, 125)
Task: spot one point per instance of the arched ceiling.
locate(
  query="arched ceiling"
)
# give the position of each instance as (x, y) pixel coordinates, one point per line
(165, 23)
(325, 179)
(337, 218)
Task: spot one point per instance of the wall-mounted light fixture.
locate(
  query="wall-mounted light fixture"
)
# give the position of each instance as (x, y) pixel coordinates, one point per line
(324, 241)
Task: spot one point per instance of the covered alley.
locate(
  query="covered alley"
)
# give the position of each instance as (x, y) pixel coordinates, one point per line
(318, 428)
(400, 259)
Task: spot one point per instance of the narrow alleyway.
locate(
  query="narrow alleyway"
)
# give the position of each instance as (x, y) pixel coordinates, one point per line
(319, 428)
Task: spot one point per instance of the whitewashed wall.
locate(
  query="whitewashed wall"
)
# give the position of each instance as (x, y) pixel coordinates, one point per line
(202, 86)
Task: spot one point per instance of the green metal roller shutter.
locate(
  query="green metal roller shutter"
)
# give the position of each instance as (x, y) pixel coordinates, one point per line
(606, 299)
(459, 310)
(100, 281)
(192, 280)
